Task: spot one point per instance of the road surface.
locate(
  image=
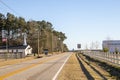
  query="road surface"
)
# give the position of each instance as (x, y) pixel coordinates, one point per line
(46, 68)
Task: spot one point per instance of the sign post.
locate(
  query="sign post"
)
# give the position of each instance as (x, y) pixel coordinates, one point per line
(79, 46)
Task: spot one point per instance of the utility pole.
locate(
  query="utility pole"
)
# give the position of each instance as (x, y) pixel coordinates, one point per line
(6, 47)
(51, 42)
(38, 41)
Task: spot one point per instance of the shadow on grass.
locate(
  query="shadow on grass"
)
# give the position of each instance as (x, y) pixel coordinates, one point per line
(114, 71)
(89, 77)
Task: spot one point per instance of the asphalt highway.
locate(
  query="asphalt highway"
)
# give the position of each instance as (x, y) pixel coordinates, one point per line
(46, 68)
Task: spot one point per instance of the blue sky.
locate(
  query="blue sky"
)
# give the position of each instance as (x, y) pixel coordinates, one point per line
(83, 21)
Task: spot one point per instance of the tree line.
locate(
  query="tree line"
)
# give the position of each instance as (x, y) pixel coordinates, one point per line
(38, 32)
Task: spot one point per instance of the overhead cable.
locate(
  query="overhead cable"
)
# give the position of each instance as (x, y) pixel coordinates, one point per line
(9, 7)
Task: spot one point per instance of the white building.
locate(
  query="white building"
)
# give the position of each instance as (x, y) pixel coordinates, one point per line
(26, 50)
(112, 45)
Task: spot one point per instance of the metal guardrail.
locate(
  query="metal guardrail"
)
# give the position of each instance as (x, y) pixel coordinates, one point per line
(113, 58)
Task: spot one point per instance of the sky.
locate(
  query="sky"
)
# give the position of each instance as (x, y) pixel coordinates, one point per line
(83, 21)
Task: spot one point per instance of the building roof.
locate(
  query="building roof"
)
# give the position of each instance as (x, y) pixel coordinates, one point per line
(14, 47)
(111, 41)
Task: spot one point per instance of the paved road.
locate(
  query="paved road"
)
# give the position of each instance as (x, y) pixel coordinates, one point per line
(45, 68)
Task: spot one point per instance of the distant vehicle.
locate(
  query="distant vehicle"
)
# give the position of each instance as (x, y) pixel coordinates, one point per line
(45, 51)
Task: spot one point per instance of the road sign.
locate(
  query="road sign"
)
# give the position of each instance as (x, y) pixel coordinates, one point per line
(78, 45)
(4, 39)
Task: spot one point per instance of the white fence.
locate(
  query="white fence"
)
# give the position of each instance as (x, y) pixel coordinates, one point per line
(113, 58)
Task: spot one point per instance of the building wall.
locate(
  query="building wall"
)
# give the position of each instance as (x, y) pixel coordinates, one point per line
(12, 50)
(112, 45)
(28, 50)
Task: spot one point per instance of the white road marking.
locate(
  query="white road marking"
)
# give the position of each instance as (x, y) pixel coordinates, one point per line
(54, 78)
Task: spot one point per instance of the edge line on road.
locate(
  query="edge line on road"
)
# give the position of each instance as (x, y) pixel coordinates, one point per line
(54, 78)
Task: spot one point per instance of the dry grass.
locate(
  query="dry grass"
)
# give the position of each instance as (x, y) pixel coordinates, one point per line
(72, 70)
(96, 67)
(4, 62)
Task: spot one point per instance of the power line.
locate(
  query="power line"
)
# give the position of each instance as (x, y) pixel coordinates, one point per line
(2, 9)
(9, 7)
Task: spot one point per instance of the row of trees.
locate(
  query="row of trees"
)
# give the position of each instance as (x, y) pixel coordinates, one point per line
(93, 45)
(38, 32)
